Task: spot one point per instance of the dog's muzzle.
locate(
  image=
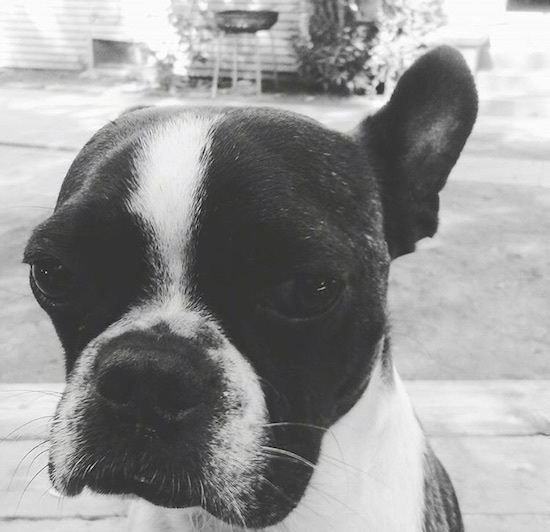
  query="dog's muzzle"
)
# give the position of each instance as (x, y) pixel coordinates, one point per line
(154, 386)
(177, 421)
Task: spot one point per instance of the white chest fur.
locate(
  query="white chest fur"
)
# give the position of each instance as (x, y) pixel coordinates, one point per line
(370, 473)
(369, 476)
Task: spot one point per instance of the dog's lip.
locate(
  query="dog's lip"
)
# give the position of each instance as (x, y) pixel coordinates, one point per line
(148, 485)
(134, 484)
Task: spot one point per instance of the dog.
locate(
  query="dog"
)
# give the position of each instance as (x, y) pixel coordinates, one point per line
(217, 278)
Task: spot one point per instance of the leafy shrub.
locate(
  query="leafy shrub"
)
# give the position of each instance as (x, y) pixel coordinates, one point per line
(192, 20)
(402, 28)
(336, 63)
(344, 53)
(186, 44)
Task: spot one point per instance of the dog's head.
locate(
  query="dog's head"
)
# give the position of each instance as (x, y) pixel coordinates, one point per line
(217, 278)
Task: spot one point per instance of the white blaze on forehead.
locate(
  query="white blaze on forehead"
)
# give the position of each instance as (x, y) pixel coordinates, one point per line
(170, 169)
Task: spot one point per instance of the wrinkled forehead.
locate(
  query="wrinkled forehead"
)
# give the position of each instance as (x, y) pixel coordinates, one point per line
(239, 151)
(259, 174)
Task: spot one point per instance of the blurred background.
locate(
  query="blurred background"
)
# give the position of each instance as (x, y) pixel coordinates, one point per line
(472, 303)
(470, 309)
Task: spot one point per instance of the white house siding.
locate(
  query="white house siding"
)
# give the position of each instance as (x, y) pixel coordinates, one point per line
(57, 34)
(139, 21)
(44, 33)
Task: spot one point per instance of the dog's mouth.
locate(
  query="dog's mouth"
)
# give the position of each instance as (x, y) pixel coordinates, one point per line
(174, 473)
(155, 486)
(165, 464)
(133, 421)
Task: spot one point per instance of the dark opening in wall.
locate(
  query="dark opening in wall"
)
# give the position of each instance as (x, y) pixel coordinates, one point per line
(528, 5)
(116, 53)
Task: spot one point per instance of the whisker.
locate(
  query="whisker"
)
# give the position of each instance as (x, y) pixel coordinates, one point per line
(44, 493)
(345, 466)
(293, 459)
(342, 465)
(60, 502)
(296, 424)
(78, 464)
(322, 429)
(23, 459)
(41, 453)
(342, 461)
(279, 492)
(42, 397)
(39, 472)
(203, 495)
(286, 497)
(41, 393)
(91, 466)
(353, 511)
(288, 454)
(275, 390)
(238, 512)
(10, 207)
(328, 431)
(175, 483)
(8, 436)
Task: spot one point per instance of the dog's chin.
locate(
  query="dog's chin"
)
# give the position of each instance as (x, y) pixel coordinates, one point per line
(160, 491)
(259, 510)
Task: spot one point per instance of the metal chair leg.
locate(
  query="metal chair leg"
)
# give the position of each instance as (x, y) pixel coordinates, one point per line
(235, 60)
(216, 76)
(258, 67)
(274, 60)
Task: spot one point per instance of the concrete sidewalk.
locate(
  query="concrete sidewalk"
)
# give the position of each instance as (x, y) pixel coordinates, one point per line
(491, 436)
(472, 304)
(480, 285)
(507, 145)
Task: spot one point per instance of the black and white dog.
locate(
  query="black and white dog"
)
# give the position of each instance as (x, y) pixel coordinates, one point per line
(218, 279)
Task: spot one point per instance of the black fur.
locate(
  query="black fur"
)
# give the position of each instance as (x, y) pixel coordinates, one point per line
(283, 196)
(442, 513)
(417, 138)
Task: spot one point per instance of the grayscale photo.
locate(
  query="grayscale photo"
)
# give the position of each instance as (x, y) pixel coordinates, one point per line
(275, 265)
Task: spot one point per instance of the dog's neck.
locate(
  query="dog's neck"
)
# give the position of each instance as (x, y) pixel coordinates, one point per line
(370, 474)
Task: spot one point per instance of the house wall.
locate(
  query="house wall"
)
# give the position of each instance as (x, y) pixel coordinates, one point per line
(44, 33)
(56, 34)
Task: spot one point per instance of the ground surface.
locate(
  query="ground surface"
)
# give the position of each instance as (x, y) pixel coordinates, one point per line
(472, 303)
(491, 436)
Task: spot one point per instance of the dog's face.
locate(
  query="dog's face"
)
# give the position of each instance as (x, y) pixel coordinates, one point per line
(217, 278)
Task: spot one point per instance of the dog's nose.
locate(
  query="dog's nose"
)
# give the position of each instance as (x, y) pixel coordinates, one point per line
(142, 379)
(151, 374)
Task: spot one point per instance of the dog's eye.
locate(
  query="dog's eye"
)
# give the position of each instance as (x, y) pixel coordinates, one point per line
(305, 296)
(51, 278)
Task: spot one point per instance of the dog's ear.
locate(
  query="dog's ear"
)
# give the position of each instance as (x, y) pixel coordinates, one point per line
(416, 139)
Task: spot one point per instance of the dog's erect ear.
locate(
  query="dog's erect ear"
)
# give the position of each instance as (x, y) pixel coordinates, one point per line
(417, 138)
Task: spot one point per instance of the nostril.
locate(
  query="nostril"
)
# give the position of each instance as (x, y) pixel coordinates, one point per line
(118, 384)
(170, 396)
(146, 386)
(155, 379)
